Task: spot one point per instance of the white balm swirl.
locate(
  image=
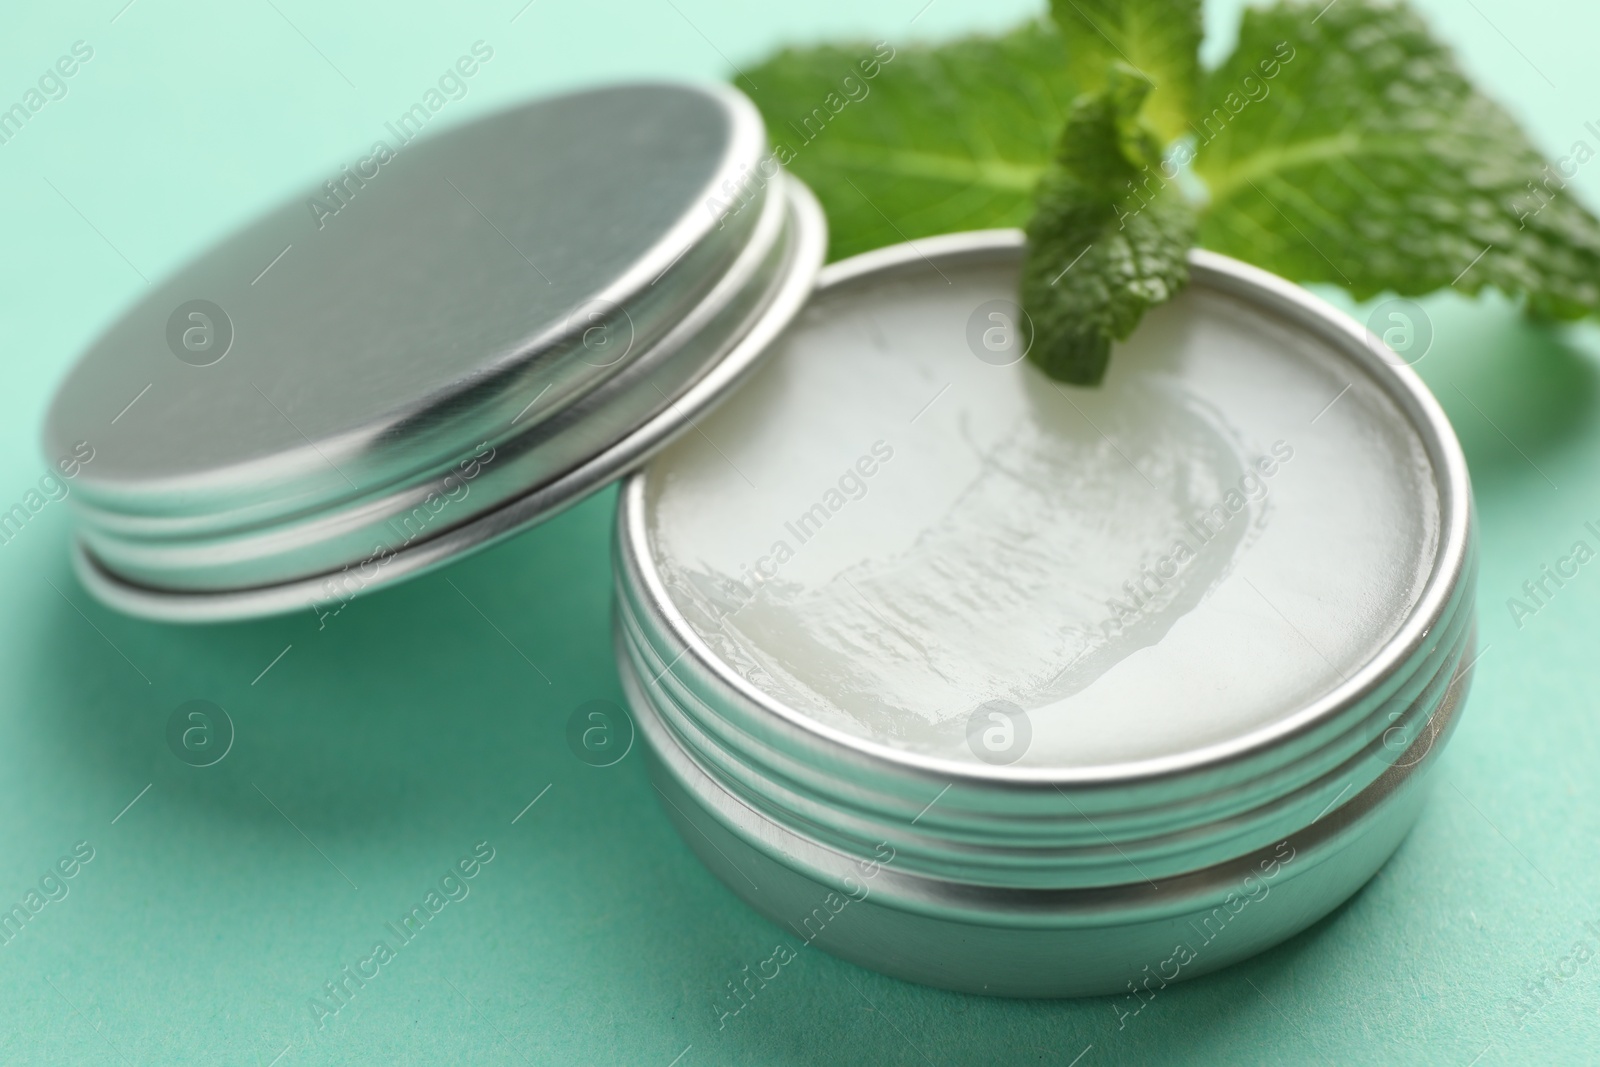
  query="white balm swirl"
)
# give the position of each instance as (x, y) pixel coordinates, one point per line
(885, 532)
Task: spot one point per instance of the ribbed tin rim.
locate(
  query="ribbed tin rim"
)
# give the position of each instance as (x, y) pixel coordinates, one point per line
(768, 744)
(800, 252)
(1448, 586)
(1010, 837)
(1115, 904)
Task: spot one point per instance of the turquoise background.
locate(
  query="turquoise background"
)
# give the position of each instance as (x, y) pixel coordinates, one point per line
(379, 750)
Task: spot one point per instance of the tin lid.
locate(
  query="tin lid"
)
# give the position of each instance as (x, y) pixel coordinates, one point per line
(446, 342)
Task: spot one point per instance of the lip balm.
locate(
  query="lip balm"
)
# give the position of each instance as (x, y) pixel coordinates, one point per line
(1036, 683)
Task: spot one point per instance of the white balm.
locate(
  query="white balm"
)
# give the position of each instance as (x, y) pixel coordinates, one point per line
(885, 531)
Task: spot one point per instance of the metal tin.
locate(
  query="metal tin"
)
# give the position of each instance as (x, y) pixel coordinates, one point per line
(446, 342)
(1041, 881)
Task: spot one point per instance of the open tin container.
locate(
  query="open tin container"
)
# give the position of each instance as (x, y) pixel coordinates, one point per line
(499, 320)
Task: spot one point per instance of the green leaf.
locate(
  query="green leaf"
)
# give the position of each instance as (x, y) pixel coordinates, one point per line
(937, 140)
(1349, 148)
(1110, 237)
(1158, 38)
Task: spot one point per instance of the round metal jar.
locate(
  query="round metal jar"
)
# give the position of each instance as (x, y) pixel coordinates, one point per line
(1037, 880)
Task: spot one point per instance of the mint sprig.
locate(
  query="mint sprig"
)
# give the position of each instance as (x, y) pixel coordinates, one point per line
(1107, 240)
(1339, 143)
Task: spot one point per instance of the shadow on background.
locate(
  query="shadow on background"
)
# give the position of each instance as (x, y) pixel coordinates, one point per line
(1518, 392)
(398, 707)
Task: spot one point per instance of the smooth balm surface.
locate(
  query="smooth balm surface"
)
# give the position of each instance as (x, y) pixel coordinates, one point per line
(885, 532)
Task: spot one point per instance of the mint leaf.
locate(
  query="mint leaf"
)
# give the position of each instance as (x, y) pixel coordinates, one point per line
(933, 140)
(1366, 159)
(1340, 143)
(1109, 237)
(1158, 38)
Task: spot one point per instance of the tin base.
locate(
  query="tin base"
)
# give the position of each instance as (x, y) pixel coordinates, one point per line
(1132, 940)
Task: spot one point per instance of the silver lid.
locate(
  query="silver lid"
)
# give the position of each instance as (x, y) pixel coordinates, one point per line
(448, 341)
